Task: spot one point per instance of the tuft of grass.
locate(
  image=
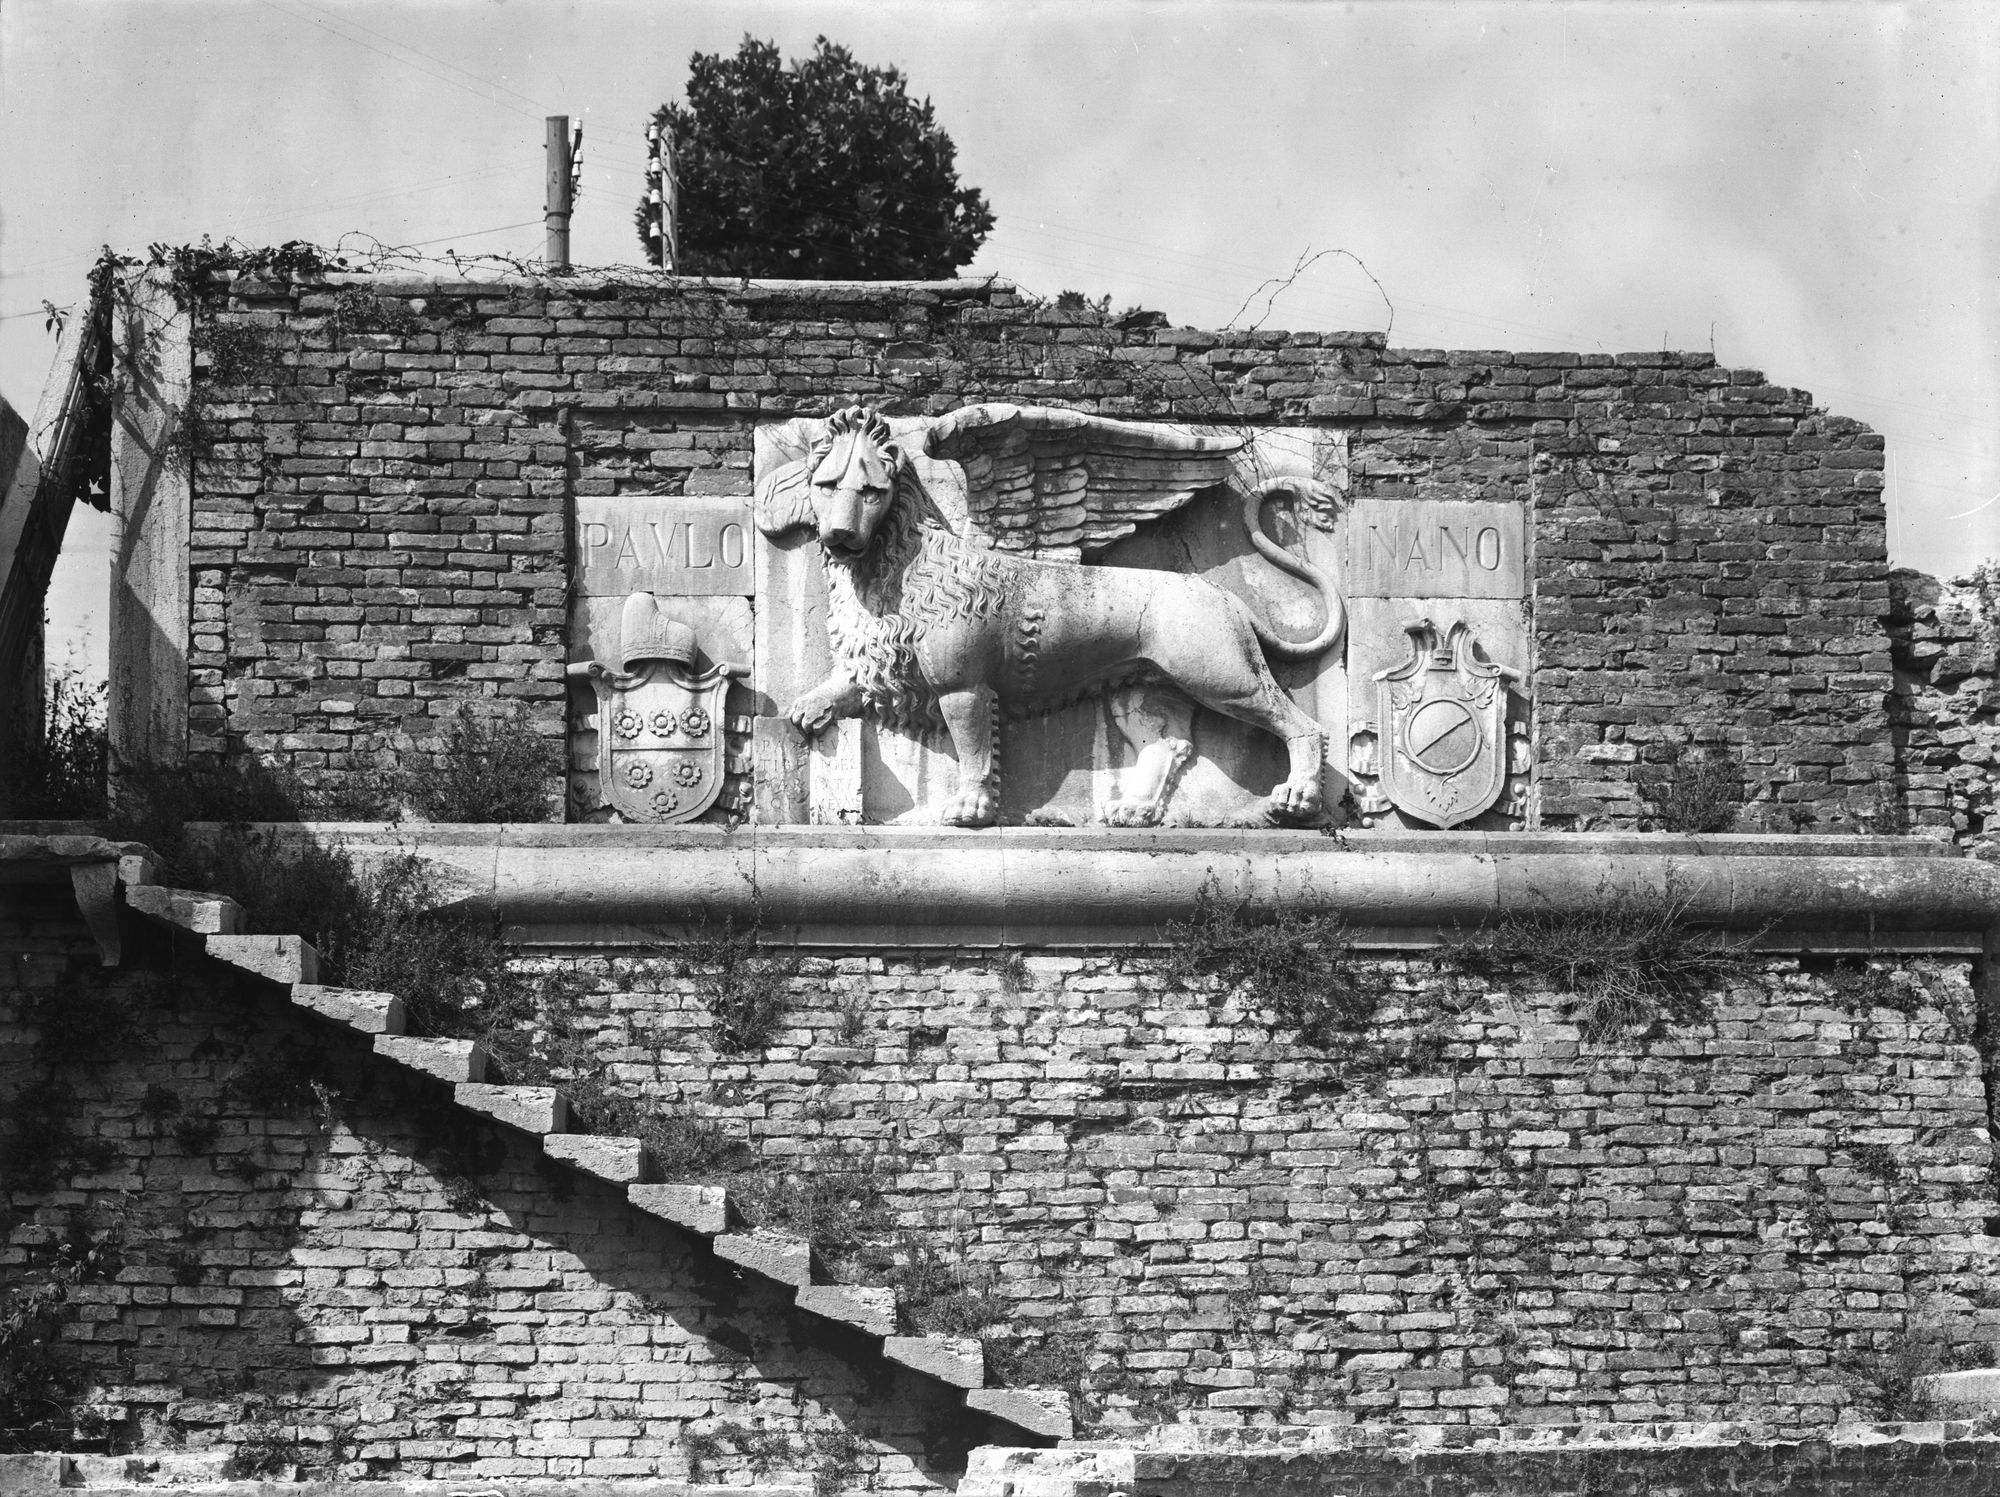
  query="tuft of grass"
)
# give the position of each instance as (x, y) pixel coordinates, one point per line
(1301, 968)
(1059, 1359)
(1693, 790)
(265, 1453)
(487, 768)
(935, 1296)
(1901, 1372)
(1629, 962)
(837, 1205)
(745, 986)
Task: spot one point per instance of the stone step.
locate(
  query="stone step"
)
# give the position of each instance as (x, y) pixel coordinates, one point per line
(285, 960)
(190, 909)
(703, 1209)
(539, 1110)
(357, 1008)
(450, 1061)
(958, 1360)
(621, 1161)
(1040, 1411)
(786, 1259)
(870, 1311)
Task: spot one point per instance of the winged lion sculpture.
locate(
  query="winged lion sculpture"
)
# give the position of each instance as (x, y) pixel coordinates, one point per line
(960, 601)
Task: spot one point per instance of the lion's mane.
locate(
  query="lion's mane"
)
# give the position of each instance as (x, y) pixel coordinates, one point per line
(915, 575)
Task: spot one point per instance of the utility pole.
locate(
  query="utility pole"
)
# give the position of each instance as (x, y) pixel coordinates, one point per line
(557, 210)
(662, 242)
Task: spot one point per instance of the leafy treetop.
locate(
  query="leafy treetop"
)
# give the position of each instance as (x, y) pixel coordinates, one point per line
(823, 170)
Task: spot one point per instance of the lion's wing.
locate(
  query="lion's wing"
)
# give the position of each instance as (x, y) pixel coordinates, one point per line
(1061, 484)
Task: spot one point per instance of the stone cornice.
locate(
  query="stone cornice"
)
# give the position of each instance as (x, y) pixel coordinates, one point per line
(898, 887)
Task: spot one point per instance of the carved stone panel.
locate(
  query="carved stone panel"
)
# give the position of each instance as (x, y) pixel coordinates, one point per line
(1029, 615)
(1062, 620)
(649, 567)
(1438, 661)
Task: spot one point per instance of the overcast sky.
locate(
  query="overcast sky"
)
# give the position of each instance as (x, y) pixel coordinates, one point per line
(1807, 189)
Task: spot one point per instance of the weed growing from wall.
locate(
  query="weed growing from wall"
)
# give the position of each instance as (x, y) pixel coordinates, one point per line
(745, 985)
(1693, 790)
(487, 769)
(837, 1204)
(936, 1296)
(37, 1385)
(1628, 962)
(1299, 967)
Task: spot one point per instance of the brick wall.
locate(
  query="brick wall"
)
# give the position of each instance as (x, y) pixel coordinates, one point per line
(382, 468)
(357, 1279)
(1469, 1219)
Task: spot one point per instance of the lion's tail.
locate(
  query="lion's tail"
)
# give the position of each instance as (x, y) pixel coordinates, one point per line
(1278, 556)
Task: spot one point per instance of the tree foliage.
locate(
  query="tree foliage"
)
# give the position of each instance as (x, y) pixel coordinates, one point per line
(823, 170)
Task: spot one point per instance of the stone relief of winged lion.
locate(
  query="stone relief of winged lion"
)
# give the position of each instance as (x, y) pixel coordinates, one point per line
(961, 600)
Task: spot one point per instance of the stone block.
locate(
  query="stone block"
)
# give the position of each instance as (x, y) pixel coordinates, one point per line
(1040, 1411)
(281, 959)
(696, 1208)
(1965, 1394)
(190, 909)
(958, 1360)
(786, 1259)
(370, 1013)
(21, 1475)
(622, 1161)
(532, 1109)
(450, 1061)
(871, 1311)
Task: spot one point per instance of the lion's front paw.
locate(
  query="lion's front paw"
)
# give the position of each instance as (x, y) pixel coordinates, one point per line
(973, 807)
(814, 712)
(1293, 804)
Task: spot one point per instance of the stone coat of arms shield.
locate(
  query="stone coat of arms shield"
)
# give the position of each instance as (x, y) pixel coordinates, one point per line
(661, 747)
(1444, 711)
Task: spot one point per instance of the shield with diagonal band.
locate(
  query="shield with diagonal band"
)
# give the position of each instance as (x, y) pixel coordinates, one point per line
(1445, 711)
(661, 752)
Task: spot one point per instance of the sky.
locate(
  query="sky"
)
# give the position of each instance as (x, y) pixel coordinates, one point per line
(1805, 189)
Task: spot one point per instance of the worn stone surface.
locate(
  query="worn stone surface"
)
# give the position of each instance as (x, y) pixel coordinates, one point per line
(1945, 710)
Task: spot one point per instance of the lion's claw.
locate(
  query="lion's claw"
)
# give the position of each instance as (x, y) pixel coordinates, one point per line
(1294, 804)
(975, 807)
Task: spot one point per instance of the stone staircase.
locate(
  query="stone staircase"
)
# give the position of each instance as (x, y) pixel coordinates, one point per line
(702, 1211)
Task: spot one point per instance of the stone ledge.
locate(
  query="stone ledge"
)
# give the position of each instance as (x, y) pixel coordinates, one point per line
(913, 887)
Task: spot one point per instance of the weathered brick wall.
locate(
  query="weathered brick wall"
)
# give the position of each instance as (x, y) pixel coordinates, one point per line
(1474, 1219)
(382, 468)
(1487, 1222)
(358, 1279)
(1945, 713)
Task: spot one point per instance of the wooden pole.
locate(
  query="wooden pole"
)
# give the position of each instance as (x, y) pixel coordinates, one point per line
(557, 210)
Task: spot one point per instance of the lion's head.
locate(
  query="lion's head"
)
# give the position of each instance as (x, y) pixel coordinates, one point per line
(842, 488)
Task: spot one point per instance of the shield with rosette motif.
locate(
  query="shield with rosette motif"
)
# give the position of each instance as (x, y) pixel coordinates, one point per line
(1445, 714)
(660, 740)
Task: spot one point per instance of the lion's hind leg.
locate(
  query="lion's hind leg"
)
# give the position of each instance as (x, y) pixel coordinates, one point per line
(1214, 656)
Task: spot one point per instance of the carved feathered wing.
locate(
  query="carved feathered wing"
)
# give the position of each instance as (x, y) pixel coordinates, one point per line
(1061, 484)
